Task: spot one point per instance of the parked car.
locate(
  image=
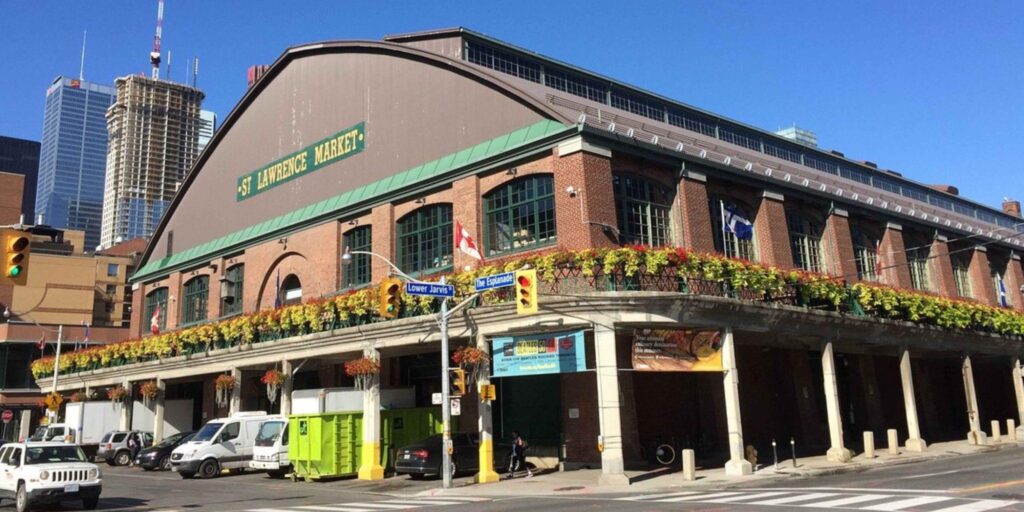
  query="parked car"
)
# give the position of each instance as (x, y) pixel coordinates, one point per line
(224, 443)
(32, 473)
(159, 455)
(114, 446)
(423, 458)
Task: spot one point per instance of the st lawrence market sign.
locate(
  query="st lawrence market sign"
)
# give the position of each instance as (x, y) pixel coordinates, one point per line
(339, 146)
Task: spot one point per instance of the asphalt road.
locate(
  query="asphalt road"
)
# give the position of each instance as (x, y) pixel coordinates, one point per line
(987, 481)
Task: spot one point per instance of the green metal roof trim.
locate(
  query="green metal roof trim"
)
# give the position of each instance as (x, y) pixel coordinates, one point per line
(433, 169)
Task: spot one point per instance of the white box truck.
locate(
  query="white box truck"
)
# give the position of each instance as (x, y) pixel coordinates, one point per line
(84, 424)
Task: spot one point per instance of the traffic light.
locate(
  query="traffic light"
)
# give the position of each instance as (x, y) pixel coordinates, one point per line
(526, 292)
(390, 298)
(456, 382)
(16, 245)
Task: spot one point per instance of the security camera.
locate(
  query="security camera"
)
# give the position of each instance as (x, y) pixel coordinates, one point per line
(571, 190)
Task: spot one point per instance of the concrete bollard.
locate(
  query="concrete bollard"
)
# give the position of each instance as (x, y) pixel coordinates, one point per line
(996, 436)
(894, 441)
(1011, 430)
(869, 444)
(689, 465)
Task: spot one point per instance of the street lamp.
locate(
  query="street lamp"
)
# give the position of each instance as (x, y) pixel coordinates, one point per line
(60, 336)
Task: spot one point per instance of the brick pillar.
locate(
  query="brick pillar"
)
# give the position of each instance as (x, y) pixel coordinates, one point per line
(841, 260)
(382, 218)
(213, 299)
(581, 218)
(173, 300)
(1013, 278)
(693, 201)
(893, 255)
(942, 267)
(466, 204)
(981, 277)
(772, 231)
(136, 328)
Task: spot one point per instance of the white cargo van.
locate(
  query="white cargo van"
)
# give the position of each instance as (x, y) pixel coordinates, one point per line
(224, 443)
(270, 450)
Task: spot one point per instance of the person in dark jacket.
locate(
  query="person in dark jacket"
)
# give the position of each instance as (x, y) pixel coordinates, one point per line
(134, 445)
(518, 459)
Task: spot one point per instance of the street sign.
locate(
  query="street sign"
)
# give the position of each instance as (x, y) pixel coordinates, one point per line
(487, 392)
(495, 281)
(7, 416)
(436, 399)
(430, 289)
(456, 407)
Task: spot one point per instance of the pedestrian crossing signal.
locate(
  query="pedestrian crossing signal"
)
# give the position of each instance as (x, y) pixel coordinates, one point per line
(456, 382)
(526, 292)
(390, 298)
(15, 246)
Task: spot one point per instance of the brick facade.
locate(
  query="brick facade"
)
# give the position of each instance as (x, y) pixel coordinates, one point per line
(1013, 279)
(696, 212)
(587, 217)
(981, 277)
(892, 253)
(942, 268)
(772, 233)
(11, 186)
(840, 259)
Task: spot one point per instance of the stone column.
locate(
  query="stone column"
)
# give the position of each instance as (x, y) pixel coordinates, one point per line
(125, 418)
(838, 452)
(737, 465)
(286, 387)
(158, 411)
(914, 442)
(25, 425)
(1018, 390)
(235, 405)
(608, 414)
(485, 423)
(976, 436)
(370, 469)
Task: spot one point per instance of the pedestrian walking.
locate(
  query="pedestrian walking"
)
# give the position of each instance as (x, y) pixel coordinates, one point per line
(517, 459)
(134, 445)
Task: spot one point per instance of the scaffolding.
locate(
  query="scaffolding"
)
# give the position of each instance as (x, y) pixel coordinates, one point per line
(153, 130)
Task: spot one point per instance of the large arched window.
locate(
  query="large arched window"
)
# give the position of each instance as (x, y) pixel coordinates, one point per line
(231, 290)
(732, 228)
(865, 251)
(425, 239)
(643, 209)
(291, 290)
(520, 215)
(805, 241)
(194, 300)
(357, 269)
(156, 299)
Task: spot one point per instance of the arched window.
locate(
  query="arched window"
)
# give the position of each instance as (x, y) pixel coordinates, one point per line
(425, 239)
(732, 228)
(642, 208)
(156, 299)
(865, 252)
(231, 290)
(805, 241)
(520, 215)
(357, 269)
(194, 300)
(291, 290)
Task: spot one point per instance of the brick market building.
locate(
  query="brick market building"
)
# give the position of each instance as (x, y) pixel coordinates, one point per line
(383, 146)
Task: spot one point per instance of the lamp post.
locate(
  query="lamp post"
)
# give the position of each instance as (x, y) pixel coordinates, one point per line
(56, 360)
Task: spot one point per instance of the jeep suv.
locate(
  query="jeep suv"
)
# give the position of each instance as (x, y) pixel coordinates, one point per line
(33, 473)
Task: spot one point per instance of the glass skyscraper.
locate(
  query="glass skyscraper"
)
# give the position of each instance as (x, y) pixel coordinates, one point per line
(73, 156)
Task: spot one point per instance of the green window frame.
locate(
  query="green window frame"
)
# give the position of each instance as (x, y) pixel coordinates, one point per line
(865, 252)
(357, 270)
(726, 242)
(235, 281)
(962, 278)
(425, 240)
(805, 241)
(643, 209)
(194, 300)
(917, 263)
(156, 298)
(520, 215)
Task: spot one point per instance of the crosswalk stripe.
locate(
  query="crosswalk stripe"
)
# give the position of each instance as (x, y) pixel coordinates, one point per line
(379, 505)
(794, 499)
(335, 508)
(907, 503)
(978, 506)
(269, 510)
(469, 499)
(861, 498)
(422, 503)
(699, 497)
(742, 497)
(649, 497)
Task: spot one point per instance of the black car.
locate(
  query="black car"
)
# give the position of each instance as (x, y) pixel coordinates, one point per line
(424, 457)
(159, 456)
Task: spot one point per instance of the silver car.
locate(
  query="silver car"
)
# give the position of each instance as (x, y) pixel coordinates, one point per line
(114, 446)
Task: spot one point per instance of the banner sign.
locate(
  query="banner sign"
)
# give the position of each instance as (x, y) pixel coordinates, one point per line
(538, 354)
(339, 146)
(677, 350)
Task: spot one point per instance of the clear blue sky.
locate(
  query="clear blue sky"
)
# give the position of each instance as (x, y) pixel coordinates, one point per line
(934, 90)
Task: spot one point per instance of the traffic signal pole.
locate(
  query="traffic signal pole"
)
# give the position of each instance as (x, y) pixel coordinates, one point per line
(446, 412)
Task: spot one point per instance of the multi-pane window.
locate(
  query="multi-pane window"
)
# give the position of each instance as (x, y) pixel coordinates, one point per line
(194, 299)
(520, 214)
(726, 219)
(805, 241)
(917, 262)
(157, 299)
(425, 239)
(642, 208)
(357, 269)
(231, 301)
(865, 251)
(998, 267)
(962, 275)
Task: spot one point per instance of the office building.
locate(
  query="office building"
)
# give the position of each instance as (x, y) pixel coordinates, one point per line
(20, 156)
(208, 125)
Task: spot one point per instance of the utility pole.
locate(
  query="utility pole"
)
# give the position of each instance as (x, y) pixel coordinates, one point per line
(446, 405)
(56, 363)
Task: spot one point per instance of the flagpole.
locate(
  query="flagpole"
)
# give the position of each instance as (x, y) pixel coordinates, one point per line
(721, 210)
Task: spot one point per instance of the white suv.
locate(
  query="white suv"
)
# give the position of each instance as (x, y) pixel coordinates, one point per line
(33, 473)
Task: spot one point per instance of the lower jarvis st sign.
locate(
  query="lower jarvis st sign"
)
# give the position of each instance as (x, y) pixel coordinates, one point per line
(339, 146)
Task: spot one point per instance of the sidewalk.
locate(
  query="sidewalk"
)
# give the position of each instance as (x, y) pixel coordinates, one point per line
(586, 481)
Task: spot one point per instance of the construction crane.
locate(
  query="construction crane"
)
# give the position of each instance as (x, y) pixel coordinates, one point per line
(154, 56)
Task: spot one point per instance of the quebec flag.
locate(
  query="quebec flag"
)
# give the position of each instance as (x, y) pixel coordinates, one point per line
(1002, 293)
(736, 223)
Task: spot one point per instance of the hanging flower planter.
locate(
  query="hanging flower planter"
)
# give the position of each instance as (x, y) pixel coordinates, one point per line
(224, 385)
(53, 401)
(150, 391)
(117, 394)
(471, 360)
(364, 370)
(77, 396)
(273, 379)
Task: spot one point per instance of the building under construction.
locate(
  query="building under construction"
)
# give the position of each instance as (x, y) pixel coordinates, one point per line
(154, 129)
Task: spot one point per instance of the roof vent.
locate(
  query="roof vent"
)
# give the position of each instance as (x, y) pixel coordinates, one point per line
(837, 153)
(870, 164)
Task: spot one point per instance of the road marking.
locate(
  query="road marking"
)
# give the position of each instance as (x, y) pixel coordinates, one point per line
(1007, 483)
(754, 496)
(926, 475)
(424, 503)
(907, 503)
(656, 496)
(845, 489)
(699, 497)
(793, 499)
(336, 509)
(978, 506)
(860, 498)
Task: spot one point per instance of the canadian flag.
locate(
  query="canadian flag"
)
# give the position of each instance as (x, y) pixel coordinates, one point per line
(465, 243)
(154, 321)
(42, 342)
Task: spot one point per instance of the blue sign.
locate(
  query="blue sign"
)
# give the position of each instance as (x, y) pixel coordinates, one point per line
(538, 354)
(431, 289)
(495, 281)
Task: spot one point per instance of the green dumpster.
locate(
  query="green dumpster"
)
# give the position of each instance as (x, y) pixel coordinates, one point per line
(329, 445)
